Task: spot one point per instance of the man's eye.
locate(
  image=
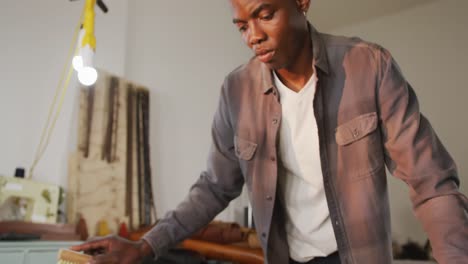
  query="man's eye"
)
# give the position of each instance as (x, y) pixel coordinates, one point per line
(267, 16)
(242, 28)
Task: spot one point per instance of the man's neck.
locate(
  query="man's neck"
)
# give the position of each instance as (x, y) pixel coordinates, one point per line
(296, 75)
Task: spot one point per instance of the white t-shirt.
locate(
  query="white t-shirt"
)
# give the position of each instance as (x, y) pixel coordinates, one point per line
(309, 228)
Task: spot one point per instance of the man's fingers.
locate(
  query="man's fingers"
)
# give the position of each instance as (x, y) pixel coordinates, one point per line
(104, 259)
(102, 243)
(95, 252)
(95, 238)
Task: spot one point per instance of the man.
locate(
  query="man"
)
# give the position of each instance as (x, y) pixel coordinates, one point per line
(308, 125)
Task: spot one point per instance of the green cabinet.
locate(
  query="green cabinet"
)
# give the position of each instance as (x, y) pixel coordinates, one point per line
(37, 252)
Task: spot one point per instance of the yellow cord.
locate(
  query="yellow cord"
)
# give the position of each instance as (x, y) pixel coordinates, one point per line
(60, 90)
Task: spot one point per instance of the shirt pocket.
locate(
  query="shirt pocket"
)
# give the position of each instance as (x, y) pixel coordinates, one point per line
(360, 149)
(244, 149)
(356, 129)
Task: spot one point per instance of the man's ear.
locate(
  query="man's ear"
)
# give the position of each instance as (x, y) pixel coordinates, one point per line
(303, 5)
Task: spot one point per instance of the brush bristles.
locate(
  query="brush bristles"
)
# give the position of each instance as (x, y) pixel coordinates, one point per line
(71, 257)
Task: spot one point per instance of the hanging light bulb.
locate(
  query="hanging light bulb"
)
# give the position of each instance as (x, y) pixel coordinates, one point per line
(83, 62)
(77, 62)
(87, 76)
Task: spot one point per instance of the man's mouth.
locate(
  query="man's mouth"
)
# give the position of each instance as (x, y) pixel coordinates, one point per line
(265, 55)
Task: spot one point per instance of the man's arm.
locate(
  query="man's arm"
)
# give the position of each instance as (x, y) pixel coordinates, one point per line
(415, 155)
(216, 187)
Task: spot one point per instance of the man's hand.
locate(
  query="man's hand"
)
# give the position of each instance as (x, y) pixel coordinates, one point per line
(114, 249)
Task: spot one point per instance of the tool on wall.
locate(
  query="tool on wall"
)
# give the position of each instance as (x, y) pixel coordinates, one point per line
(110, 174)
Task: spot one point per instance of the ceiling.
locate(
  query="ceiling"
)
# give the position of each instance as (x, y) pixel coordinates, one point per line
(328, 15)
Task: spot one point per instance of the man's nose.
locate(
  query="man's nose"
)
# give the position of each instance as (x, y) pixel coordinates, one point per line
(257, 35)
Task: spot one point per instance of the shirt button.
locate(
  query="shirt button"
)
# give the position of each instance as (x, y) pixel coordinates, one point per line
(355, 133)
(275, 121)
(269, 198)
(272, 158)
(263, 234)
(336, 223)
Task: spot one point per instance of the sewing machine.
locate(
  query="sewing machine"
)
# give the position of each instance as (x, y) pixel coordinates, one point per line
(26, 200)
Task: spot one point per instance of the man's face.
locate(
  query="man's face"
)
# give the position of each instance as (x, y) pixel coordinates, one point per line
(273, 29)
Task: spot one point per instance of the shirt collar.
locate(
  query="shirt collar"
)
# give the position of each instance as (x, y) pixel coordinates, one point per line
(320, 60)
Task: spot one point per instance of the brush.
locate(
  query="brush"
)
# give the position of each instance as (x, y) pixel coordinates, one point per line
(66, 256)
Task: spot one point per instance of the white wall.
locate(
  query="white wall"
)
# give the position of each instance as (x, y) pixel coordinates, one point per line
(181, 50)
(35, 38)
(430, 44)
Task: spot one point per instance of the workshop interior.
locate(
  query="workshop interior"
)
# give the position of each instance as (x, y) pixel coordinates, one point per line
(107, 105)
